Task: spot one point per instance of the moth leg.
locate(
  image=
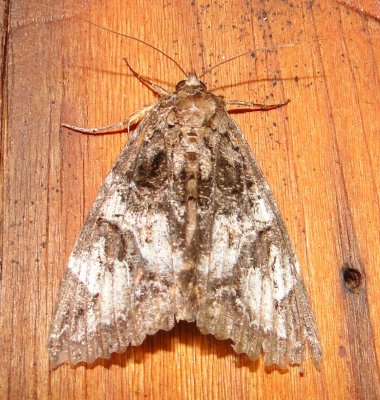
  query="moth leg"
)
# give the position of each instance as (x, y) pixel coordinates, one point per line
(152, 86)
(132, 119)
(256, 106)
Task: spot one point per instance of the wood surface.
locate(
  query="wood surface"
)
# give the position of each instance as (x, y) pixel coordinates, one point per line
(320, 155)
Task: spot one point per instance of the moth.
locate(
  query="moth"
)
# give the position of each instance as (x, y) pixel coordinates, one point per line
(184, 227)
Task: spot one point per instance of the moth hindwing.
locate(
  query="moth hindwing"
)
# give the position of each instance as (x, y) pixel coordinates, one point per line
(184, 228)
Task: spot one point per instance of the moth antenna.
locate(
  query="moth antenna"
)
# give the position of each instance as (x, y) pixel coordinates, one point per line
(152, 86)
(252, 52)
(137, 40)
(226, 61)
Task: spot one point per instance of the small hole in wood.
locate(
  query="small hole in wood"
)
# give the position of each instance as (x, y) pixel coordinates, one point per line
(352, 278)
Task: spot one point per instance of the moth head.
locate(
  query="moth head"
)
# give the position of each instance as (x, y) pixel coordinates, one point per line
(191, 82)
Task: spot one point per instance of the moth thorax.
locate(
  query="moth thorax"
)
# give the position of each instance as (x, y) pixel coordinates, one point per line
(192, 81)
(192, 110)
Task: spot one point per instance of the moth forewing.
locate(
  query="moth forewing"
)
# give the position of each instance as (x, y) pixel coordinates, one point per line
(184, 228)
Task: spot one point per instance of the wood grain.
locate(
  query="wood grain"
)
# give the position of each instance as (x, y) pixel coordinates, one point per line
(320, 155)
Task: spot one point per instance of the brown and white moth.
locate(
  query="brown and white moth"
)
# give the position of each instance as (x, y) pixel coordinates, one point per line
(185, 227)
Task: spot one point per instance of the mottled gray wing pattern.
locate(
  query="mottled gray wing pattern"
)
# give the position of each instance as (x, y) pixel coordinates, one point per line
(118, 285)
(254, 293)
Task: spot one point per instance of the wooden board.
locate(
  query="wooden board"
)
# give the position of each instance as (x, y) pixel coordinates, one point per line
(320, 155)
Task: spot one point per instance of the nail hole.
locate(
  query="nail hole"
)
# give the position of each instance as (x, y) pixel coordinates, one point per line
(352, 278)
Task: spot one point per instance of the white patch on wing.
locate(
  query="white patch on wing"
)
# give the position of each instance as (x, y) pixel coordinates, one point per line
(177, 260)
(252, 292)
(91, 270)
(115, 208)
(152, 235)
(262, 211)
(267, 306)
(282, 273)
(110, 179)
(204, 264)
(86, 266)
(261, 289)
(226, 244)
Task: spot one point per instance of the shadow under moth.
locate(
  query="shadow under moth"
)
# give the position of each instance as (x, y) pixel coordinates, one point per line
(184, 227)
